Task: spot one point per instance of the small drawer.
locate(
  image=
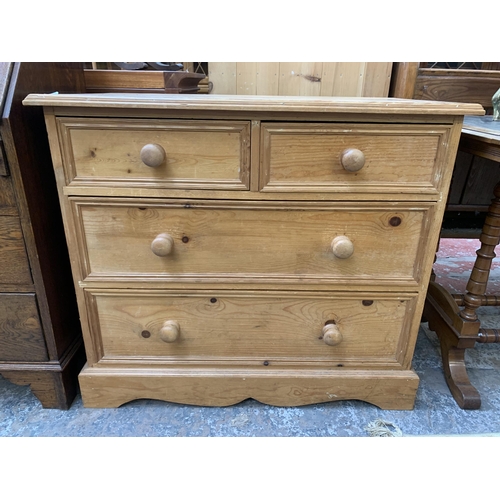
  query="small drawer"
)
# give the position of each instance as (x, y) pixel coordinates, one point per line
(175, 154)
(256, 242)
(259, 328)
(21, 335)
(14, 265)
(353, 158)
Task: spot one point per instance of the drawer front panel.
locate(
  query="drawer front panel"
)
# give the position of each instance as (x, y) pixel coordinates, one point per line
(263, 328)
(14, 266)
(390, 159)
(21, 335)
(252, 241)
(7, 198)
(189, 154)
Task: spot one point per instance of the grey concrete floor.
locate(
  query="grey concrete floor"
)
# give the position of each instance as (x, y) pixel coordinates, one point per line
(435, 412)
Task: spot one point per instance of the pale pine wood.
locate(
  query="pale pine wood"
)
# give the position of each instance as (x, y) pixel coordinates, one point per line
(92, 344)
(268, 104)
(282, 329)
(267, 78)
(342, 247)
(352, 159)
(303, 192)
(179, 154)
(377, 79)
(389, 389)
(328, 76)
(169, 332)
(348, 79)
(251, 285)
(251, 78)
(254, 159)
(246, 78)
(162, 245)
(309, 157)
(223, 77)
(352, 79)
(152, 155)
(332, 335)
(280, 242)
(303, 79)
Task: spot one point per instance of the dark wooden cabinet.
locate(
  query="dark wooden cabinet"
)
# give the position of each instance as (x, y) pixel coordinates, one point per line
(40, 332)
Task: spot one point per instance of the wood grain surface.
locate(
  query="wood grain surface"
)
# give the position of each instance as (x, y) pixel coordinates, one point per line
(352, 79)
(203, 154)
(14, 265)
(21, 336)
(249, 242)
(267, 104)
(233, 301)
(233, 328)
(307, 157)
(388, 389)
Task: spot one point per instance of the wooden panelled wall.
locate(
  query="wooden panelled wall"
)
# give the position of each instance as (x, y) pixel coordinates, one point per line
(348, 79)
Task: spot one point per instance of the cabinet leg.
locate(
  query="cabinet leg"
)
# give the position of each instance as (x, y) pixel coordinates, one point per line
(55, 388)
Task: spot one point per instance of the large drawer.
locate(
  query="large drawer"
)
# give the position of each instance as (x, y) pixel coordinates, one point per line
(354, 158)
(14, 265)
(183, 154)
(251, 241)
(259, 328)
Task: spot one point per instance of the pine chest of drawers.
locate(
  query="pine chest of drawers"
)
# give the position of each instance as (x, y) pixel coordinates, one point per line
(229, 247)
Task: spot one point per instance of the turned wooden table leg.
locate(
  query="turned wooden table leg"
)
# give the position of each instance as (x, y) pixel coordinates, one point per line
(478, 281)
(459, 329)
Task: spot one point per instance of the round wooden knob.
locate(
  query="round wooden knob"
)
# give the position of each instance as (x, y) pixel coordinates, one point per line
(342, 247)
(153, 155)
(352, 159)
(331, 335)
(162, 245)
(170, 331)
